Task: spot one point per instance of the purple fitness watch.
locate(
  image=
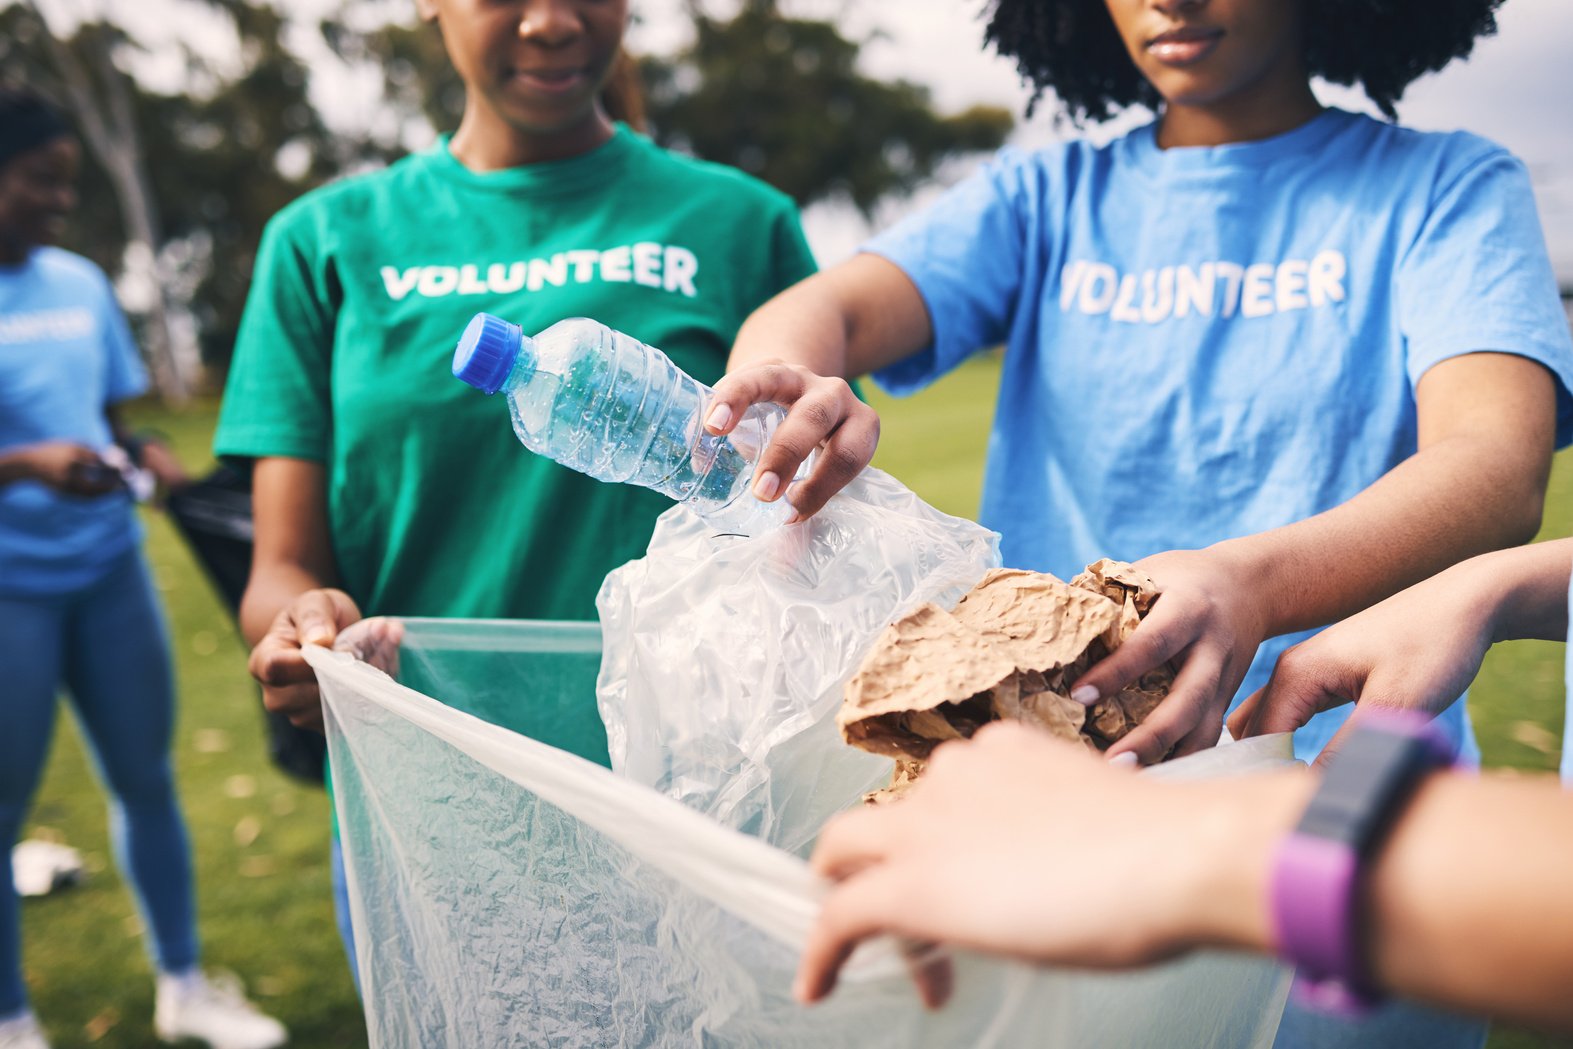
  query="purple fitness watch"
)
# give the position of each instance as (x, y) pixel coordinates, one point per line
(1318, 873)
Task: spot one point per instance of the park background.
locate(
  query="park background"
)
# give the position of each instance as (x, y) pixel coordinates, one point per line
(184, 96)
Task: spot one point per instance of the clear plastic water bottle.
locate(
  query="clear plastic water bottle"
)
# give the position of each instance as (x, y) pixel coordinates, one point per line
(607, 405)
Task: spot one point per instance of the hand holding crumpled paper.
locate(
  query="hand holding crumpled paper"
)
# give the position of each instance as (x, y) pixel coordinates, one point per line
(1012, 649)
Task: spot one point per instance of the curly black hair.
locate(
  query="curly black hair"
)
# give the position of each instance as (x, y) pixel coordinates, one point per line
(1070, 47)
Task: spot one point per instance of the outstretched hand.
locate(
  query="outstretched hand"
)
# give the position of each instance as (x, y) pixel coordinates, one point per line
(1417, 650)
(1206, 621)
(1019, 844)
(822, 413)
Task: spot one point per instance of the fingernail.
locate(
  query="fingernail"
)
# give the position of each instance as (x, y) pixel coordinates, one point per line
(1126, 760)
(319, 636)
(800, 990)
(720, 415)
(1086, 695)
(767, 486)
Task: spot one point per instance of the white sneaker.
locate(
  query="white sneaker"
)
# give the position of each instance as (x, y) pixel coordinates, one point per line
(22, 1032)
(213, 1010)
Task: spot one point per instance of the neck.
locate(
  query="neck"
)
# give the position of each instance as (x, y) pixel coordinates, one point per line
(485, 142)
(1261, 112)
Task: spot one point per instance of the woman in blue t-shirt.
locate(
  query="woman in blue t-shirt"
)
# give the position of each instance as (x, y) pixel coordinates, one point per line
(1289, 359)
(77, 607)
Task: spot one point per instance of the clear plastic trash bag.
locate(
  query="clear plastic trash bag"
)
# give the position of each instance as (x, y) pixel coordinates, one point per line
(507, 893)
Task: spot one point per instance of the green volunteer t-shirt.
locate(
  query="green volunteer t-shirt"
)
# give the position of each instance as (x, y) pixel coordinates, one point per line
(360, 293)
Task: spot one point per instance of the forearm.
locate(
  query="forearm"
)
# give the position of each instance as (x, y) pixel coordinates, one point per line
(1448, 502)
(850, 320)
(1529, 585)
(1466, 903)
(14, 466)
(802, 325)
(271, 589)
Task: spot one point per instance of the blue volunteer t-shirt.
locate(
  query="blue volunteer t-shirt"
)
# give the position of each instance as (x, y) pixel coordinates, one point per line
(65, 355)
(1206, 343)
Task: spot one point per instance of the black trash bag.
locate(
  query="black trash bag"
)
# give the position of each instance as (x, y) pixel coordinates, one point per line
(213, 515)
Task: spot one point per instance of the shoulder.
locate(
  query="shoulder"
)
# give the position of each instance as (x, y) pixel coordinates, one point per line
(1435, 159)
(67, 267)
(75, 277)
(721, 181)
(344, 200)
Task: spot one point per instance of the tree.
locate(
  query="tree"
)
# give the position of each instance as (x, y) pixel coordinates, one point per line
(783, 99)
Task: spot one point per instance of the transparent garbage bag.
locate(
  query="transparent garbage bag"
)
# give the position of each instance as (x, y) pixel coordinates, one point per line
(506, 892)
(726, 655)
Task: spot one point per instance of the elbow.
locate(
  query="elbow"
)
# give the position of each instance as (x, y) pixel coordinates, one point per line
(1522, 519)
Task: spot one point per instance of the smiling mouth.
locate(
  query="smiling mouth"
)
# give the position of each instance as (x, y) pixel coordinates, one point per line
(1183, 47)
(550, 81)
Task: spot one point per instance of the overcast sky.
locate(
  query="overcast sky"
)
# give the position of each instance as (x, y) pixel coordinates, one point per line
(1517, 89)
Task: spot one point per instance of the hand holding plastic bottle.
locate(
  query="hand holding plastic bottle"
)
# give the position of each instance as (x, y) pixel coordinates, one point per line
(822, 414)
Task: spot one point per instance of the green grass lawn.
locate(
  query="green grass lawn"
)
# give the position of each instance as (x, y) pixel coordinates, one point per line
(261, 840)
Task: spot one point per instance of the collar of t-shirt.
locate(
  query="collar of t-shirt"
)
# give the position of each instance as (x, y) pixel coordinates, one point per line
(1177, 162)
(583, 173)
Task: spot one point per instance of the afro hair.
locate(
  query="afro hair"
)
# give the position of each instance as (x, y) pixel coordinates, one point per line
(1071, 48)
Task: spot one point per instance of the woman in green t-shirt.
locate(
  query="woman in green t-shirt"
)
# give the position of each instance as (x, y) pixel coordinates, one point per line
(382, 485)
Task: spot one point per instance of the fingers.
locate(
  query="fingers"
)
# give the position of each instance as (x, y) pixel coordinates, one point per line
(1300, 687)
(844, 456)
(821, 410)
(931, 972)
(1191, 709)
(853, 911)
(1160, 637)
(1242, 723)
(316, 617)
(302, 704)
(1206, 733)
(741, 390)
(853, 840)
(289, 683)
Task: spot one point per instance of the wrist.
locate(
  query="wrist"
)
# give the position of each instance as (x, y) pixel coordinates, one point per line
(1240, 826)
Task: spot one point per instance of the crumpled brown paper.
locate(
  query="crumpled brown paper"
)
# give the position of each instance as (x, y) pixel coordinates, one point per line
(1013, 648)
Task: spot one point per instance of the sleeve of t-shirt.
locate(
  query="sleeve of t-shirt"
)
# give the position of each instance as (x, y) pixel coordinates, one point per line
(276, 402)
(127, 378)
(1477, 278)
(965, 255)
(794, 259)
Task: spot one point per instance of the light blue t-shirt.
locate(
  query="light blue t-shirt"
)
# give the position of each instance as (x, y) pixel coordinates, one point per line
(65, 355)
(1206, 343)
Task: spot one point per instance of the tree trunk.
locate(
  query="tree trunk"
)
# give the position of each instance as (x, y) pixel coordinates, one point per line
(108, 125)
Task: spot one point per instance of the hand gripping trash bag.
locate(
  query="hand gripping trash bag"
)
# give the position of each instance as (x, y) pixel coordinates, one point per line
(507, 893)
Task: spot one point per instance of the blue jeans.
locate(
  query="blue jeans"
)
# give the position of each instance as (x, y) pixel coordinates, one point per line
(107, 646)
(341, 908)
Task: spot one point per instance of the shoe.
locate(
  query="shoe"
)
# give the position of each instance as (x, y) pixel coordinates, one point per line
(22, 1032)
(213, 1010)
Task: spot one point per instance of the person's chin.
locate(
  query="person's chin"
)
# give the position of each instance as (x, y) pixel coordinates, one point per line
(551, 120)
(1190, 89)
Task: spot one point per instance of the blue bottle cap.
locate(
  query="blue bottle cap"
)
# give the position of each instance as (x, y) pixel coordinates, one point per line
(487, 351)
